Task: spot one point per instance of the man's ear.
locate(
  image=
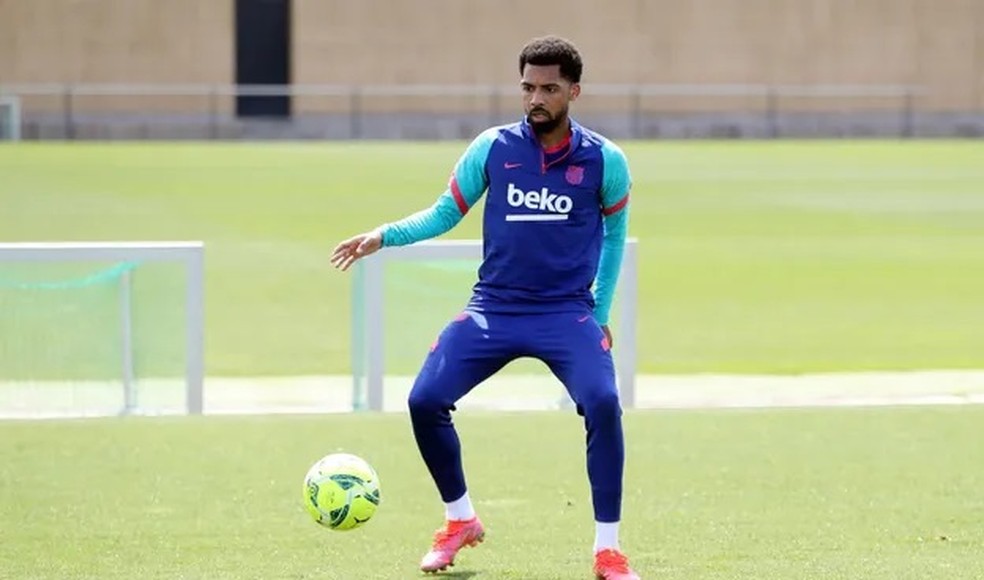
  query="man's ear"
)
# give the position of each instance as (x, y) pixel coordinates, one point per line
(575, 91)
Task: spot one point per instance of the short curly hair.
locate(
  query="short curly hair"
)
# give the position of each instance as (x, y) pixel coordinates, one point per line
(553, 50)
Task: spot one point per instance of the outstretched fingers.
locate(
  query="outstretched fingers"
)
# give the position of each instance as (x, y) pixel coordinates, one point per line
(345, 253)
(354, 248)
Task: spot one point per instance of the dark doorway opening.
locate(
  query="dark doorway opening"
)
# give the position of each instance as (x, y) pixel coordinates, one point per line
(263, 55)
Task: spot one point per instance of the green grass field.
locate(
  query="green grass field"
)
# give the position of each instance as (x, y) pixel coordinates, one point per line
(755, 257)
(887, 494)
(764, 257)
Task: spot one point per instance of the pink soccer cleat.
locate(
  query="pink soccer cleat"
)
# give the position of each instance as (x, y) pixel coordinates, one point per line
(613, 565)
(455, 535)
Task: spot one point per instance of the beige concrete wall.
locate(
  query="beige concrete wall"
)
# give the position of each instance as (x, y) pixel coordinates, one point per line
(937, 43)
(117, 41)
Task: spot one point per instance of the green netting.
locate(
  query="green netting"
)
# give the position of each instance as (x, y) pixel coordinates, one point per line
(50, 318)
(420, 298)
(159, 322)
(65, 330)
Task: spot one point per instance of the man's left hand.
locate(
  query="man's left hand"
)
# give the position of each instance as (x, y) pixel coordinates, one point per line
(608, 335)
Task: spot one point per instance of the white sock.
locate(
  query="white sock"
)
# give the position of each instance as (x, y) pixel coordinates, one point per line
(606, 536)
(460, 509)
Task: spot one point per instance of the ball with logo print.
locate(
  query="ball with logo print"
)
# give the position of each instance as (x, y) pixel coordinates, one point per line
(341, 491)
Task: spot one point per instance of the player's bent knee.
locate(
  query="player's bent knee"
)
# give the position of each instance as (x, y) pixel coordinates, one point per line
(422, 402)
(602, 407)
(419, 402)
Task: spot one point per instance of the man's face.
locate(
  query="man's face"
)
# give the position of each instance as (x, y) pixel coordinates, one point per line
(546, 96)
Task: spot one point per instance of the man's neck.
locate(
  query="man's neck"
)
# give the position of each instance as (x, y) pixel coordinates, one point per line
(557, 136)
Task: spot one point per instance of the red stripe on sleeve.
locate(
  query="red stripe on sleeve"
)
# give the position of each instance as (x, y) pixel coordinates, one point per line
(458, 197)
(617, 207)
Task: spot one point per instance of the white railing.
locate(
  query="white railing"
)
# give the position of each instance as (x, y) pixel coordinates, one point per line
(633, 102)
(477, 90)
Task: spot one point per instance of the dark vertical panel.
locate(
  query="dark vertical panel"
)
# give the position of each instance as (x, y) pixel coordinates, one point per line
(263, 54)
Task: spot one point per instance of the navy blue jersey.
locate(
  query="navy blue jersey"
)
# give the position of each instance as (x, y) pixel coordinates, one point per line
(554, 224)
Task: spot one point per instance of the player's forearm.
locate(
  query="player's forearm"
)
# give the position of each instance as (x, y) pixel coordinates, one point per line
(423, 225)
(612, 250)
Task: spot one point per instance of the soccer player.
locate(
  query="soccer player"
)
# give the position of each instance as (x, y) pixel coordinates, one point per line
(554, 232)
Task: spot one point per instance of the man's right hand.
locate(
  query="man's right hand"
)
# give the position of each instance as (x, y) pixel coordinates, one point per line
(360, 246)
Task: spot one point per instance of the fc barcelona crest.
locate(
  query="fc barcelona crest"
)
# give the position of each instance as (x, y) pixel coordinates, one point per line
(575, 175)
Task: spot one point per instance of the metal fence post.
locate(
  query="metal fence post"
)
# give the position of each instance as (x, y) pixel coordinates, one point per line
(772, 111)
(908, 122)
(355, 114)
(494, 106)
(69, 116)
(213, 113)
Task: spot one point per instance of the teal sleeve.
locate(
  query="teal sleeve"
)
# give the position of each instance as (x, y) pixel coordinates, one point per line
(466, 186)
(423, 225)
(616, 183)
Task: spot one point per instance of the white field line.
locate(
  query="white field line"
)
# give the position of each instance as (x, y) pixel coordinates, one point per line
(333, 394)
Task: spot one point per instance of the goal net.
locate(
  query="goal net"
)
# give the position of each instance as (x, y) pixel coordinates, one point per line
(404, 296)
(100, 329)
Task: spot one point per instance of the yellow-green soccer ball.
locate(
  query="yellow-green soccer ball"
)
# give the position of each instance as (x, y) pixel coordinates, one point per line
(341, 491)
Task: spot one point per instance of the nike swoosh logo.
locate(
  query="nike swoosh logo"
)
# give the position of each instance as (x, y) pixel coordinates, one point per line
(513, 165)
(583, 318)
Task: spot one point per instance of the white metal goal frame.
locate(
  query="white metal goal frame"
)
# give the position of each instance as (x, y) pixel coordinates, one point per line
(189, 254)
(369, 319)
(10, 117)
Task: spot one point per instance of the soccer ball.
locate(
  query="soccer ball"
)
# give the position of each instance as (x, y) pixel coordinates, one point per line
(341, 491)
